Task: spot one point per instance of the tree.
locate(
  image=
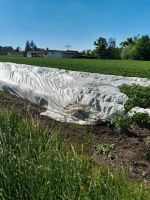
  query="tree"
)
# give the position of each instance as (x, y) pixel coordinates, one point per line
(128, 47)
(86, 52)
(101, 47)
(18, 49)
(112, 51)
(142, 48)
(127, 52)
(33, 46)
(47, 49)
(30, 46)
(94, 53)
(129, 41)
(112, 43)
(27, 46)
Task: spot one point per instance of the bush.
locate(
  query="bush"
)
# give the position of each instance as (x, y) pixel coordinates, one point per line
(141, 119)
(138, 96)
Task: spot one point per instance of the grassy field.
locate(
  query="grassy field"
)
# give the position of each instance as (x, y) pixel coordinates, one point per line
(37, 165)
(115, 67)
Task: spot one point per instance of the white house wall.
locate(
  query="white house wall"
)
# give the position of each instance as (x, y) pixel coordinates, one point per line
(55, 55)
(29, 55)
(68, 55)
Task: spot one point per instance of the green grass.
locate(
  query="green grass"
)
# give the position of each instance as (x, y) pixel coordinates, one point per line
(35, 165)
(116, 67)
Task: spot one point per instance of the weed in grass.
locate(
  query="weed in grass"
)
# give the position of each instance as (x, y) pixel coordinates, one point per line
(122, 123)
(106, 150)
(35, 165)
(140, 163)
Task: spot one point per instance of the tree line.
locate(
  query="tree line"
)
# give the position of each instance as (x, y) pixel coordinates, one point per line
(29, 46)
(5, 50)
(133, 48)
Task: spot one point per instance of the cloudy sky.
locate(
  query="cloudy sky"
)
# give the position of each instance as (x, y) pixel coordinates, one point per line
(54, 23)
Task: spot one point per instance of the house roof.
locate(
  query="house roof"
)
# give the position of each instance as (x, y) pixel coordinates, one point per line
(36, 52)
(54, 51)
(65, 52)
(71, 52)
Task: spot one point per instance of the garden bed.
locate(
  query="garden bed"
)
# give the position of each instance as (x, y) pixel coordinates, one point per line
(131, 149)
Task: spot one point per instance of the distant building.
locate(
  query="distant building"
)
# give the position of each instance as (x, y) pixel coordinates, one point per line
(31, 54)
(15, 54)
(62, 54)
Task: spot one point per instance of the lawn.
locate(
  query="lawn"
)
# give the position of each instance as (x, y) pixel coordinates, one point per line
(114, 67)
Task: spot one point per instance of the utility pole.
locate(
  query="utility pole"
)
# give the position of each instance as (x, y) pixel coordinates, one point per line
(68, 46)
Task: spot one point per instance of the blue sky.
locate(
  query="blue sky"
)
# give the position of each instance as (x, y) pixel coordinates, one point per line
(54, 23)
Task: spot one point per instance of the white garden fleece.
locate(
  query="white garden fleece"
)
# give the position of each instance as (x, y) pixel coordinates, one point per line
(69, 96)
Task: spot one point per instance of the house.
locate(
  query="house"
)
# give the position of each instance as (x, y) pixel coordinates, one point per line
(62, 54)
(71, 54)
(31, 54)
(55, 54)
(15, 54)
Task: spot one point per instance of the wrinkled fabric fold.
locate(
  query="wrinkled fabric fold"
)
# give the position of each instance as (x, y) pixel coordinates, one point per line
(75, 97)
